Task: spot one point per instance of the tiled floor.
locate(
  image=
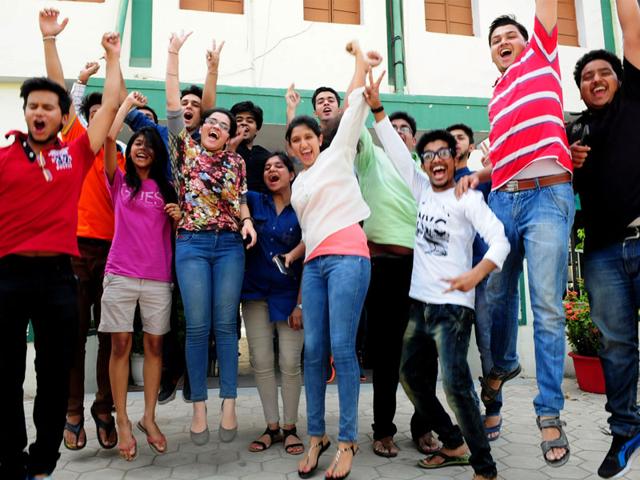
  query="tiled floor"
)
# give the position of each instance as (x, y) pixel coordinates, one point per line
(517, 452)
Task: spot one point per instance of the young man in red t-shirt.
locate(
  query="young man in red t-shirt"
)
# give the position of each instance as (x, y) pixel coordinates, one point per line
(531, 175)
(40, 182)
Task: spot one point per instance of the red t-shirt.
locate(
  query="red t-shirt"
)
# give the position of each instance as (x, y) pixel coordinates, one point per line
(36, 215)
(525, 113)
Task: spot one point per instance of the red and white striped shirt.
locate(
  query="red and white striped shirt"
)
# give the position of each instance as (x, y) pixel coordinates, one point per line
(525, 113)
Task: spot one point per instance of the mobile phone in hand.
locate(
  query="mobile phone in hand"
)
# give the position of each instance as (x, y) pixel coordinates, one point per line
(279, 261)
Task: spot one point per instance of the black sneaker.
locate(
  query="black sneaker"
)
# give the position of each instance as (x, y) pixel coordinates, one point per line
(618, 459)
(167, 392)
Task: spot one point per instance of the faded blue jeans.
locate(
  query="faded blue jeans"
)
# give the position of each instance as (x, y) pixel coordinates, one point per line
(444, 331)
(612, 276)
(210, 269)
(537, 223)
(334, 288)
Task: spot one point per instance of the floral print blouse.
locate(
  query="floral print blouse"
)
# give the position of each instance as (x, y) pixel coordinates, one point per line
(210, 186)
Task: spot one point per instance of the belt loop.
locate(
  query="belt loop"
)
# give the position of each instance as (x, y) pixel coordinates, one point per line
(537, 179)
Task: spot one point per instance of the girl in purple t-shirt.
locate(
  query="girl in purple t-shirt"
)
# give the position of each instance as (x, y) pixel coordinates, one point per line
(138, 271)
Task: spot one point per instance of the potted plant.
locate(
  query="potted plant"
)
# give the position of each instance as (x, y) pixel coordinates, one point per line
(584, 338)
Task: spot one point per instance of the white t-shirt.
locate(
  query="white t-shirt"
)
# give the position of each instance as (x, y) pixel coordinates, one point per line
(326, 196)
(445, 229)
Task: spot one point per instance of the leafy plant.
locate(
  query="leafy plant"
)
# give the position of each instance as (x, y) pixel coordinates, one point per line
(582, 333)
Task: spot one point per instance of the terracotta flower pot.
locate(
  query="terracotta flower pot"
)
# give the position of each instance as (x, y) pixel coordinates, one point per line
(588, 373)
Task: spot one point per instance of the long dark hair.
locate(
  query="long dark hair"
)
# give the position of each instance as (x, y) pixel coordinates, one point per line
(158, 166)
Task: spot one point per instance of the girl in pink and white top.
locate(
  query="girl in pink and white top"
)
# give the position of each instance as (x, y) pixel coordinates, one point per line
(138, 271)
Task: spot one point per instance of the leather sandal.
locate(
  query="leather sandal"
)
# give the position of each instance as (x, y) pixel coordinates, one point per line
(560, 442)
(292, 432)
(274, 435)
(488, 393)
(108, 426)
(322, 448)
(353, 448)
(157, 444)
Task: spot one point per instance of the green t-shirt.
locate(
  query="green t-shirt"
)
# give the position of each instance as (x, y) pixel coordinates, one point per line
(393, 208)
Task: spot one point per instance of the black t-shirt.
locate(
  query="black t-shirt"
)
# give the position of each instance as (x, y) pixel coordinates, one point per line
(255, 158)
(609, 181)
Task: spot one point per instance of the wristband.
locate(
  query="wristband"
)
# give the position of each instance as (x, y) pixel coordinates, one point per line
(49, 37)
(377, 110)
(242, 220)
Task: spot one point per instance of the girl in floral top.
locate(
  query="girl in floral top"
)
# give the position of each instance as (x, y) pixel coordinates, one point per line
(212, 187)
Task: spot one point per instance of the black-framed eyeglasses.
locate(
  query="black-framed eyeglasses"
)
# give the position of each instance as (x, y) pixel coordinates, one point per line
(215, 122)
(48, 177)
(444, 153)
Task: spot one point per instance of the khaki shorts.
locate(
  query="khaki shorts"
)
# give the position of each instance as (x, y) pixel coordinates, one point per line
(119, 304)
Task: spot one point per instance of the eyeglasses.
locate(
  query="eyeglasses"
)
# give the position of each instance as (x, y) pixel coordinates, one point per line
(406, 130)
(48, 177)
(214, 122)
(444, 153)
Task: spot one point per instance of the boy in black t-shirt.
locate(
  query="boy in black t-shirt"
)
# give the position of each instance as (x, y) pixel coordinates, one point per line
(605, 148)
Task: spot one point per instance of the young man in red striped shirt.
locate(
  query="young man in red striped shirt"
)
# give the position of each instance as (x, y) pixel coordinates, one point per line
(531, 174)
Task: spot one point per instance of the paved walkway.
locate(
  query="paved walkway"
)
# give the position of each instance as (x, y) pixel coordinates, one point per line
(516, 452)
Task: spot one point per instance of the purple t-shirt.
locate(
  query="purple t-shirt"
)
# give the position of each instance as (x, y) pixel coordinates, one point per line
(141, 245)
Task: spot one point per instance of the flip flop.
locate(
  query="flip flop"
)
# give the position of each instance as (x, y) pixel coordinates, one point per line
(76, 430)
(154, 443)
(425, 449)
(109, 427)
(386, 445)
(495, 429)
(126, 451)
(449, 461)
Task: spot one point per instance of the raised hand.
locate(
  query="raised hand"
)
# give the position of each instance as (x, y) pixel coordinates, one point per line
(137, 99)
(374, 58)
(90, 68)
(213, 56)
(111, 43)
(292, 97)
(49, 25)
(177, 40)
(372, 91)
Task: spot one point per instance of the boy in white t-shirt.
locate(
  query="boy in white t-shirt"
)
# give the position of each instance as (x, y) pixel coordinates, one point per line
(443, 287)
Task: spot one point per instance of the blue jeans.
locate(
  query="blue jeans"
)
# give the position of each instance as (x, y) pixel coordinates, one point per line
(210, 269)
(444, 331)
(613, 284)
(537, 223)
(334, 288)
(483, 327)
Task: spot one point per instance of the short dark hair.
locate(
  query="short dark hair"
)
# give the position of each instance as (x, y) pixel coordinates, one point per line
(232, 119)
(284, 158)
(608, 57)
(42, 83)
(94, 98)
(193, 90)
(304, 120)
(250, 107)
(465, 128)
(319, 90)
(432, 136)
(407, 118)
(152, 111)
(503, 20)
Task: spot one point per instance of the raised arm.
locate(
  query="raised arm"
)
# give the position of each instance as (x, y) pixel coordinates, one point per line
(393, 145)
(211, 82)
(293, 100)
(99, 126)
(547, 13)
(50, 28)
(629, 15)
(172, 84)
(359, 79)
